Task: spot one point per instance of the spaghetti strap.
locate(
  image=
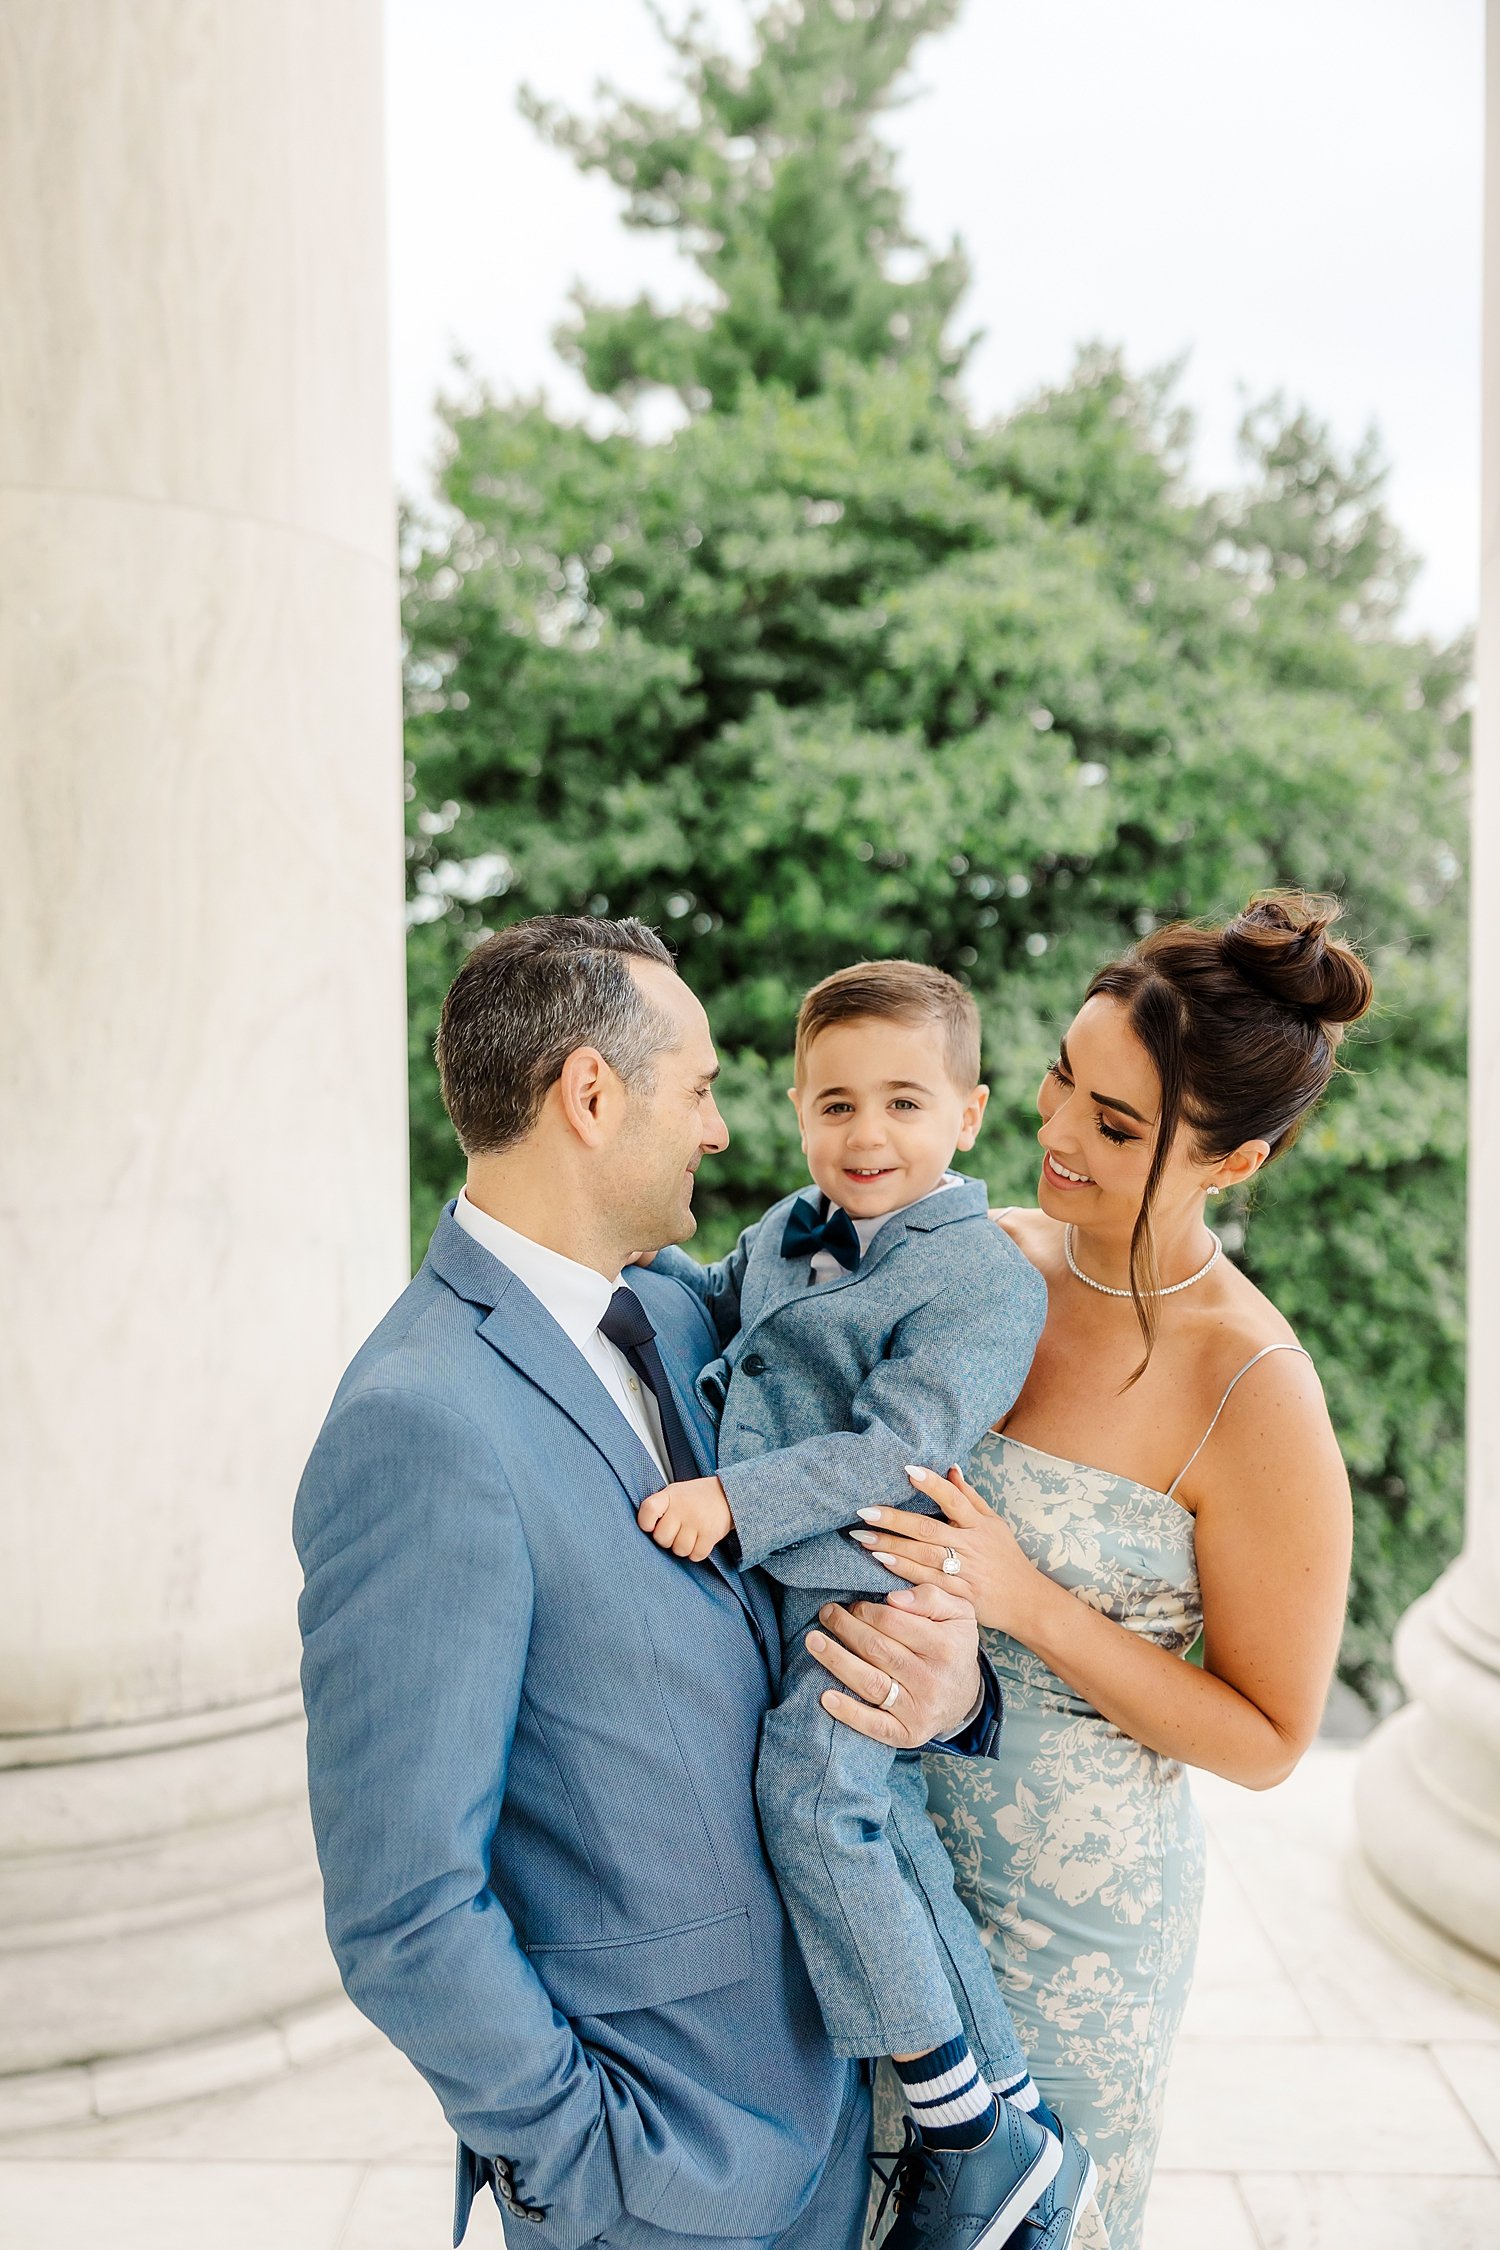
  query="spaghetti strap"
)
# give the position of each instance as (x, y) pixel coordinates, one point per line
(1263, 1353)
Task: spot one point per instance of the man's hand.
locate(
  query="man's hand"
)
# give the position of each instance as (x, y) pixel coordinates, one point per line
(925, 1640)
(690, 1518)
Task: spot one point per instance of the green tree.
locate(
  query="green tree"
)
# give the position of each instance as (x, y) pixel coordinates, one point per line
(838, 670)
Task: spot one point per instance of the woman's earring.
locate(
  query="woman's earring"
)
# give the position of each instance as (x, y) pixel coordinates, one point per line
(1216, 1191)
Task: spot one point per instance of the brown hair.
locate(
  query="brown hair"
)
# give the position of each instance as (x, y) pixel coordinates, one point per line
(527, 999)
(896, 992)
(1242, 1021)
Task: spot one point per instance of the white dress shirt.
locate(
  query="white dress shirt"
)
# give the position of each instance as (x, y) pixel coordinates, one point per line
(826, 1267)
(577, 1297)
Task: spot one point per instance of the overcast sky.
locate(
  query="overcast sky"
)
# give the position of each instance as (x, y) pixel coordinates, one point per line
(1288, 192)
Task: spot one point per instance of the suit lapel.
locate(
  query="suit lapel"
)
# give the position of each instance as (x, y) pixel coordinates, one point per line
(692, 1414)
(522, 1331)
(525, 1333)
(753, 1598)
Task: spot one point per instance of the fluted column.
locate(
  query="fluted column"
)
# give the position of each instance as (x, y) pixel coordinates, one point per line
(202, 1129)
(1429, 1783)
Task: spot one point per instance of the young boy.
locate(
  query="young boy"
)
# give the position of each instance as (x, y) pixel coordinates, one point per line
(888, 1322)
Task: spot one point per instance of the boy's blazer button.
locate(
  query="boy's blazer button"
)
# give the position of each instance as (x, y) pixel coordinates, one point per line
(752, 1364)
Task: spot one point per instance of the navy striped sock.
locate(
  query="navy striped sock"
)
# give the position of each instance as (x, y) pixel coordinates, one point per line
(951, 2106)
(1026, 2095)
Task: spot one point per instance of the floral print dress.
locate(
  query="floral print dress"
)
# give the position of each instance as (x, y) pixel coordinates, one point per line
(1079, 1852)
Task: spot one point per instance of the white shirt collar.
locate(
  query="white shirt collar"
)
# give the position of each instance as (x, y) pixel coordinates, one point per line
(576, 1296)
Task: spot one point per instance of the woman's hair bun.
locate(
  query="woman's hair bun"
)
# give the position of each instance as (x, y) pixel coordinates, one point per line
(1281, 945)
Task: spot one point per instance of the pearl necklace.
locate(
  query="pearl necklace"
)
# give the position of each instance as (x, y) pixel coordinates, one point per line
(1104, 1288)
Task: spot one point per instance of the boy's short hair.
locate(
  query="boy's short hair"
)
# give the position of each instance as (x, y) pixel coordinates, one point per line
(896, 992)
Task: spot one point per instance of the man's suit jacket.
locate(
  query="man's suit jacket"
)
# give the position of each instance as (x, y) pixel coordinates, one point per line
(531, 1742)
(825, 1394)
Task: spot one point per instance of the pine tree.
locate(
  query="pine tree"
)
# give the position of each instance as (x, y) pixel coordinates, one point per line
(838, 670)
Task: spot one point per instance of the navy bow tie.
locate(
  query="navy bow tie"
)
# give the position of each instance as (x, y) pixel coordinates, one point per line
(805, 1234)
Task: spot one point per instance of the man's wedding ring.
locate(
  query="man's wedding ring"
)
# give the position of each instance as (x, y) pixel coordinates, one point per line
(891, 1695)
(951, 1564)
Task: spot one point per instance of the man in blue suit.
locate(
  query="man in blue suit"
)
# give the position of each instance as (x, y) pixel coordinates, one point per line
(532, 1732)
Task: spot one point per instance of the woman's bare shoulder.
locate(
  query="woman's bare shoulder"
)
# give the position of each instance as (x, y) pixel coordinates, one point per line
(1244, 1316)
(1241, 1329)
(1032, 1232)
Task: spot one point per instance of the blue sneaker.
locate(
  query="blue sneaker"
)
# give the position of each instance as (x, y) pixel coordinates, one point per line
(969, 2198)
(1053, 2219)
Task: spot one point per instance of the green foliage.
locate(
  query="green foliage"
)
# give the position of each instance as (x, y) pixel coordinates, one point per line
(773, 179)
(839, 672)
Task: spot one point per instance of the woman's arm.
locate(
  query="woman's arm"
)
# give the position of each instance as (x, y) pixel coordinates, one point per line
(1273, 1541)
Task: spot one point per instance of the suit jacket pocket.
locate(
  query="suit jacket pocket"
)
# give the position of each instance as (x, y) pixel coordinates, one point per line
(648, 1971)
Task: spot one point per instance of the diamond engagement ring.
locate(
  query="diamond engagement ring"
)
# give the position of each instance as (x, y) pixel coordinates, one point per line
(951, 1564)
(890, 1701)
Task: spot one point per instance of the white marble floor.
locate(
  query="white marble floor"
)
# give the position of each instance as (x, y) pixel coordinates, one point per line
(1324, 2097)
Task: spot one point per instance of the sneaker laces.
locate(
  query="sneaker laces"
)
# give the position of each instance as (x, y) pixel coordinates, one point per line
(911, 2167)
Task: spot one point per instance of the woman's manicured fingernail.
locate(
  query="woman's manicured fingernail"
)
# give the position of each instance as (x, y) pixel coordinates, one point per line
(914, 1472)
(868, 1515)
(864, 1538)
(876, 1555)
(902, 1598)
(816, 1643)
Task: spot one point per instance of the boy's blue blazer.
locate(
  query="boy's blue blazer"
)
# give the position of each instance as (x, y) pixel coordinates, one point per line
(835, 1388)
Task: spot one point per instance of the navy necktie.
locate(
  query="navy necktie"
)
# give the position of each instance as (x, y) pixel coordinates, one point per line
(627, 1325)
(805, 1234)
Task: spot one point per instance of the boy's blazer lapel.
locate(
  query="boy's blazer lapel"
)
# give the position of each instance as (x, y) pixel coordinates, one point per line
(780, 1279)
(964, 1199)
(783, 1280)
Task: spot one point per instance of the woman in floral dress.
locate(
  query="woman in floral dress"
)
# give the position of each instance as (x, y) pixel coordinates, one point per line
(1169, 1466)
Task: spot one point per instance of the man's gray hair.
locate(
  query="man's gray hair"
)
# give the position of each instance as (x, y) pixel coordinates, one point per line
(527, 999)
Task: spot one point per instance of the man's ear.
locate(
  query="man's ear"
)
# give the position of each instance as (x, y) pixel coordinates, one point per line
(973, 1117)
(584, 1092)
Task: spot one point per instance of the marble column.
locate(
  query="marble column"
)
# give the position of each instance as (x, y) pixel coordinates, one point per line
(1429, 1782)
(202, 1114)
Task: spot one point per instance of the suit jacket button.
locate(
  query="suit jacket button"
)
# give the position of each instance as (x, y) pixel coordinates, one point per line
(752, 1364)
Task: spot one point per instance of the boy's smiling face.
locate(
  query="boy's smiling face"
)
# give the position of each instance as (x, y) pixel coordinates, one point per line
(880, 1113)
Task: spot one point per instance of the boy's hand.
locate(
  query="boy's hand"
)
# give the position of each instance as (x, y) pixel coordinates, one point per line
(690, 1518)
